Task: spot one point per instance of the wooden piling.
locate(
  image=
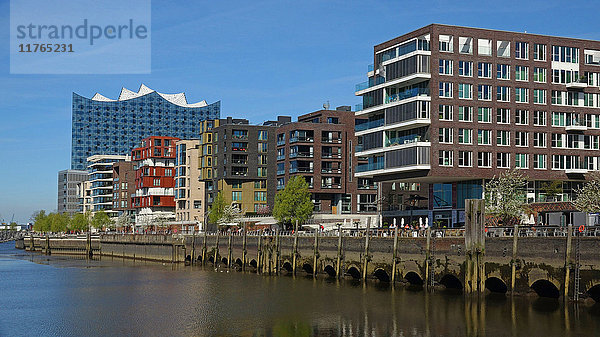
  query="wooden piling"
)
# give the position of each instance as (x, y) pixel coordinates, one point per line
(216, 257)
(315, 252)
(244, 251)
(338, 265)
(277, 252)
(259, 254)
(366, 256)
(229, 249)
(513, 262)
(474, 246)
(204, 251)
(428, 264)
(394, 254)
(568, 261)
(295, 254)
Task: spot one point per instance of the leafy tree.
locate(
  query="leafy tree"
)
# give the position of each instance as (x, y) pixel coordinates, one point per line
(79, 222)
(13, 226)
(505, 195)
(217, 209)
(124, 220)
(101, 220)
(58, 222)
(293, 202)
(40, 221)
(551, 189)
(588, 196)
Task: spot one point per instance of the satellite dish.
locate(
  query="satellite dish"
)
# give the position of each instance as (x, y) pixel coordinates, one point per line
(326, 105)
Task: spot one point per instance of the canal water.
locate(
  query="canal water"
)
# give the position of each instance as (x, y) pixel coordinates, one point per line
(67, 296)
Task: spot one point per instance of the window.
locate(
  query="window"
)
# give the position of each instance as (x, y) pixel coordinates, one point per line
(262, 135)
(465, 68)
(521, 138)
(521, 73)
(503, 116)
(592, 57)
(484, 92)
(484, 137)
(539, 118)
(539, 139)
(521, 95)
(262, 159)
(465, 91)
(484, 70)
(502, 160)
(539, 161)
(484, 159)
(236, 196)
(262, 171)
(445, 158)
(522, 50)
(558, 119)
(503, 71)
(445, 135)
(262, 147)
(558, 140)
(556, 97)
(484, 115)
(539, 52)
(484, 47)
(445, 67)
(465, 158)
(465, 136)
(503, 48)
(260, 196)
(565, 54)
(522, 161)
(236, 184)
(446, 43)
(260, 184)
(521, 117)
(446, 89)
(539, 75)
(465, 114)
(539, 96)
(445, 112)
(502, 94)
(333, 120)
(465, 45)
(502, 138)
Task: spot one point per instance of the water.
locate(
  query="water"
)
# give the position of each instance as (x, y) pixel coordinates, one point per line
(67, 296)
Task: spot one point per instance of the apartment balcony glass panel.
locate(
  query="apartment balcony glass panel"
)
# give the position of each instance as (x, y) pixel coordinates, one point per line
(369, 125)
(405, 94)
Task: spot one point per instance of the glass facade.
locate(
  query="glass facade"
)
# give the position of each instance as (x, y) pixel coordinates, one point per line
(117, 126)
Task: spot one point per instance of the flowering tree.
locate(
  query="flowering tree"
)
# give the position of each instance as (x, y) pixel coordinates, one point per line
(505, 195)
(588, 196)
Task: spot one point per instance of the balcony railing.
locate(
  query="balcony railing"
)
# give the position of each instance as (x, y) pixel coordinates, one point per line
(280, 157)
(407, 94)
(358, 107)
(402, 140)
(369, 125)
(331, 155)
(331, 185)
(237, 161)
(371, 67)
(301, 155)
(280, 142)
(301, 139)
(280, 172)
(370, 167)
(367, 187)
(301, 170)
(331, 170)
(331, 140)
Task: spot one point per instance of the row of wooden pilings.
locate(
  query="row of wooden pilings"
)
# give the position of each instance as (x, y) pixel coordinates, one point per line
(89, 253)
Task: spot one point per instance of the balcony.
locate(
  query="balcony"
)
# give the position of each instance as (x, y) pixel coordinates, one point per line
(576, 171)
(358, 107)
(358, 148)
(331, 186)
(301, 139)
(280, 157)
(331, 140)
(369, 125)
(367, 186)
(575, 126)
(331, 170)
(396, 160)
(370, 167)
(280, 142)
(407, 94)
(281, 172)
(402, 140)
(301, 170)
(301, 155)
(577, 85)
(331, 155)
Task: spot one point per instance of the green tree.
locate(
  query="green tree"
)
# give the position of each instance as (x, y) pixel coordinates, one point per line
(40, 221)
(79, 222)
(588, 196)
(13, 226)
(58, 222)
(217, 209)
(101, 220)
(505, 195)
(551, 189)
(293, 202)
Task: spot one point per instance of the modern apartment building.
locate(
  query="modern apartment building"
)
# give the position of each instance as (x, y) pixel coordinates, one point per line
(451, 106)
(189, 189)
(102, 125)
(320, 148)
(237, 160)
(154, 165)
(123, 188)
(100, 177)
(68, 190)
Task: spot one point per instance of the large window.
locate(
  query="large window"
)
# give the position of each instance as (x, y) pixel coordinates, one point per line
(445, 111)
(503, 71)
(503, 116)
(539, 118)
(502, 93)
(521, 160)
(503, 48)
(442, 195)
(446, 135)
(539, 52)
(465, 113)
(465, 136)
(484, 115)
(484, 70)
(521, 138)
(539, 139)
(465, 68)
(465, 158)
(484, 92)
(521, 73)
(522, 50)
(484, 159)
(565, 54)
(465, 91)
(446, 43)
(539, 75)
(484, 137)
(502, 138)
(502, 160)
(484, 47)
(539, 96)
(521, 95)
(236, 195)
(446, 89)
(539, 161)
(445, 158)
(445, 67)
(465, 45)
(521, 117)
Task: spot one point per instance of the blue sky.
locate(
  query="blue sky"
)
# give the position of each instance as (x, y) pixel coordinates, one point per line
(260, 58)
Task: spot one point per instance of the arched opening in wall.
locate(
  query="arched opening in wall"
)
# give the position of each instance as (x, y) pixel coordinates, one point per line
(239, 262)
(451, 282)
(330, 270)
(354, 273)
(545, 288)
(382, 275)
(224, 260)
(307, 268)
(413, 278)
(253, 264)
(287, 267)
(594, 293)
(496, 285)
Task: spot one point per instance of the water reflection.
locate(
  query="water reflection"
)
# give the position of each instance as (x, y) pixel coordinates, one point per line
(67, 296)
